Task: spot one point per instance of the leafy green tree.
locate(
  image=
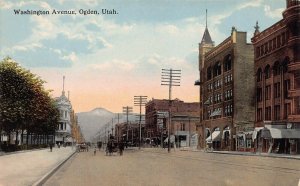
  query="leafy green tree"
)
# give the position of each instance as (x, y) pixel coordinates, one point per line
(24, 103)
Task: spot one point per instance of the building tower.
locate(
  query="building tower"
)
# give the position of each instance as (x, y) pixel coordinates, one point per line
(205, 45)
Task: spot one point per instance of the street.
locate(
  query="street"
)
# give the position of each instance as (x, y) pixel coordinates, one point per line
(157, 167)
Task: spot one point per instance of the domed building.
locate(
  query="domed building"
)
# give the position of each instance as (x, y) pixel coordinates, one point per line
(63, 135)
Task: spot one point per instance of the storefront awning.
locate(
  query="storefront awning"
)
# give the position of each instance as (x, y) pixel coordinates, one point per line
(172, 139)
(281, 133)
(215, 137)
(256, 130)
(69, 139)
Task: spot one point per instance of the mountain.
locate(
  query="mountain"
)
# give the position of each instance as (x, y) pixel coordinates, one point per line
(91, 122)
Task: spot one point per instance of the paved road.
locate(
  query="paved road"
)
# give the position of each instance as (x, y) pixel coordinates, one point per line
(157, 167)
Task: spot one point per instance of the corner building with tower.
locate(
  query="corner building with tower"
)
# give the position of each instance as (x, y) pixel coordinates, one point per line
(226, 92)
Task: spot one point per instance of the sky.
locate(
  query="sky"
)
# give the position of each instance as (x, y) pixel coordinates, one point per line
(108, 59)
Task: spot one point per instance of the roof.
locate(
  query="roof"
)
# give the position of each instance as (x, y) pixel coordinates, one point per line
(206, 37)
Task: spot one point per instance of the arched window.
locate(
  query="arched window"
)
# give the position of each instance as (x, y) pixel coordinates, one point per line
(285, 63)
(267, 72)
(208, 73)
(259, 75)
(217, 69)
(276, 69)
(227, 63)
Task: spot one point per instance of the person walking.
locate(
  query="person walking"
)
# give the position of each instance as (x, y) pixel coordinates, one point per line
(95, 151)
(50, 145)
(121, 148)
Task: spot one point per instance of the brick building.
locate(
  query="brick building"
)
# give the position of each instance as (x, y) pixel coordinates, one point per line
(184, 117)
(133, 132)
(226, 91)
(277, 67)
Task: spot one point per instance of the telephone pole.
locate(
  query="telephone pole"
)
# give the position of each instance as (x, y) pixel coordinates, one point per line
(140, 101)
(127, 111)
(170, 77)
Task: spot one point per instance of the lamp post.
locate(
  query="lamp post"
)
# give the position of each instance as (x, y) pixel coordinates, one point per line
(170, 77)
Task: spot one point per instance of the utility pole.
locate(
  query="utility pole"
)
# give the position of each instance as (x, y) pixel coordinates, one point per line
(112, 126)
(127, 111)
(140, 101)
(170, 77)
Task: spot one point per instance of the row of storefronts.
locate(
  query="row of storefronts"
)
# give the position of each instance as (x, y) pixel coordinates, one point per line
(250, 92)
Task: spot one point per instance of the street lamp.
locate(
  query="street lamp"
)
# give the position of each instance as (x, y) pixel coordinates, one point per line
(170, 77)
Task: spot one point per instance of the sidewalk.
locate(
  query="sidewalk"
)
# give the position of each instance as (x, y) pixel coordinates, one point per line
(287, 156)
(26, 168)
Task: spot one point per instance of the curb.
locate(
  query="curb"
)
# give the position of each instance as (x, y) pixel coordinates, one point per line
(258, 155)
(20, 151)
(51, 172)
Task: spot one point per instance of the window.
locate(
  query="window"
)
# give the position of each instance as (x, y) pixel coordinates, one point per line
(259, 114)
(259, 75)
(209, 73)
(217, 69)
(218, 83)
(287, 86)
(248, 143)
(209, 87)
(228, 110)
(274, 43)
(277, 90)
(257, 52)
(276, 69)
(277, 112)
(283, 36)
(259, 95)
(266, 48)
(227, 63)
(278, 41)
(228, 94)
(218, 98)
(287, 110)
(268, 92)
(267, 72)
(182, 126)
(228, 79)
(268, 113)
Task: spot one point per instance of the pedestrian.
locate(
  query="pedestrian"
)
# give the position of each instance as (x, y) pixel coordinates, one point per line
(58, 144)
(95, 151)
(121, 148)
(50, 147)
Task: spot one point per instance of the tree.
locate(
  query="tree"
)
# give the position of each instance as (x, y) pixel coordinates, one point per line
(24, 103)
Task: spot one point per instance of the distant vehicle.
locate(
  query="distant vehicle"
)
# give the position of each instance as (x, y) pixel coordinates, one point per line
(111, 147)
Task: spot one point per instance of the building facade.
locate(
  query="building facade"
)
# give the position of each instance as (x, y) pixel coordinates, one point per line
(184, 117)
(63, 134)
(227, 91)
(133, 131)
(277, 67)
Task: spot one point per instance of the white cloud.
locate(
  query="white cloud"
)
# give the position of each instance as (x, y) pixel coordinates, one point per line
(71, 57)
(252, 3)
(276, 13)
(167, 28)
(9, 5)
(114, 64)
